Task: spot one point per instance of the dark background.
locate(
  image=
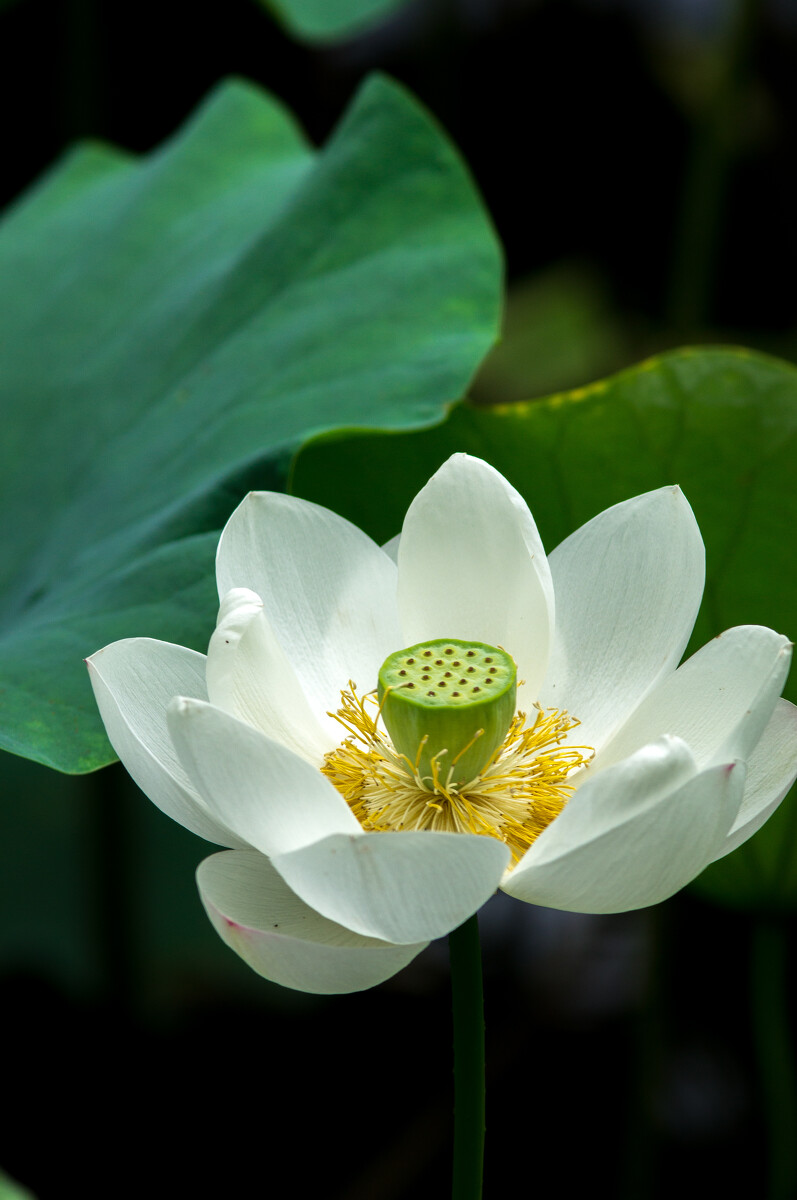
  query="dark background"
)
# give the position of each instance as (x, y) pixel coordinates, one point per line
(638, 160)
(577, 117)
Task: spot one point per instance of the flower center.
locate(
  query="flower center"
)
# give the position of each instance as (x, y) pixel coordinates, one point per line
(449, 703)
(465, 763)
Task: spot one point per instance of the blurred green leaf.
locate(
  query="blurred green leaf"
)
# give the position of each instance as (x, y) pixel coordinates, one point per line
(171, 322)
(47, 914)
(721, 423)
(12, 1191)
(559, 331)
(324, 20)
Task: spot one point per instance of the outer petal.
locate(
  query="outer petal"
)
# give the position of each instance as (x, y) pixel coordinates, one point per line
(328, 591)
(273, 799)
(391, 547)
(628, 586)
(402, 887)
(771, 770)
(719, 701)
(646, 834)
(472, 565)
(134, 681)
(278, 936)
(249, 675)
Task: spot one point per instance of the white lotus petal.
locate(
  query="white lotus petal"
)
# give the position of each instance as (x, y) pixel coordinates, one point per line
(134, 680)
(391, 548)
(249, 675)
(771, 770)
(402, 887)
(309, 603)
(472, 565)
(719, 701)
(634, 833)
(280, 937)
(328, 591)
(607, 798)
(268, 795)
(628, 586)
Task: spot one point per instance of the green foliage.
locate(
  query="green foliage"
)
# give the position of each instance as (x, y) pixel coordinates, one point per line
(721, 423)
(177, 322)
(330, 19)
(12, 1191)
(559, 331)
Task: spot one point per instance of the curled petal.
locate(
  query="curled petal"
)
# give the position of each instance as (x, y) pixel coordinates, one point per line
(328, 591)
(250, 676)
(134, 681)
(284, 940)
(771, 770)
(650, 826)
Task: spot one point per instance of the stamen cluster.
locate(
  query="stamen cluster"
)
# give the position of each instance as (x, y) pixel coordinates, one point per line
(522, 788)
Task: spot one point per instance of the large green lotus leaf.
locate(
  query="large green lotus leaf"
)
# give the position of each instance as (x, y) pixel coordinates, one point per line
(169, 323)
(325, 20)
(721, 423)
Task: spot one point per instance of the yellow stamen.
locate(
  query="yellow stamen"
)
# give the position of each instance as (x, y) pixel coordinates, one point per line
(523, 787)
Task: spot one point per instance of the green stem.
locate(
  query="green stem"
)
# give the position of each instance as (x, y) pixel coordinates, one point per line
(468, 1009)
(775, 1052)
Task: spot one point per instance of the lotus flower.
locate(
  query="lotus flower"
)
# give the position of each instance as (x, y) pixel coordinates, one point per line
(362, 818)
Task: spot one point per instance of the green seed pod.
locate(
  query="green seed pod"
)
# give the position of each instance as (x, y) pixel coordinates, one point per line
(448, 700)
